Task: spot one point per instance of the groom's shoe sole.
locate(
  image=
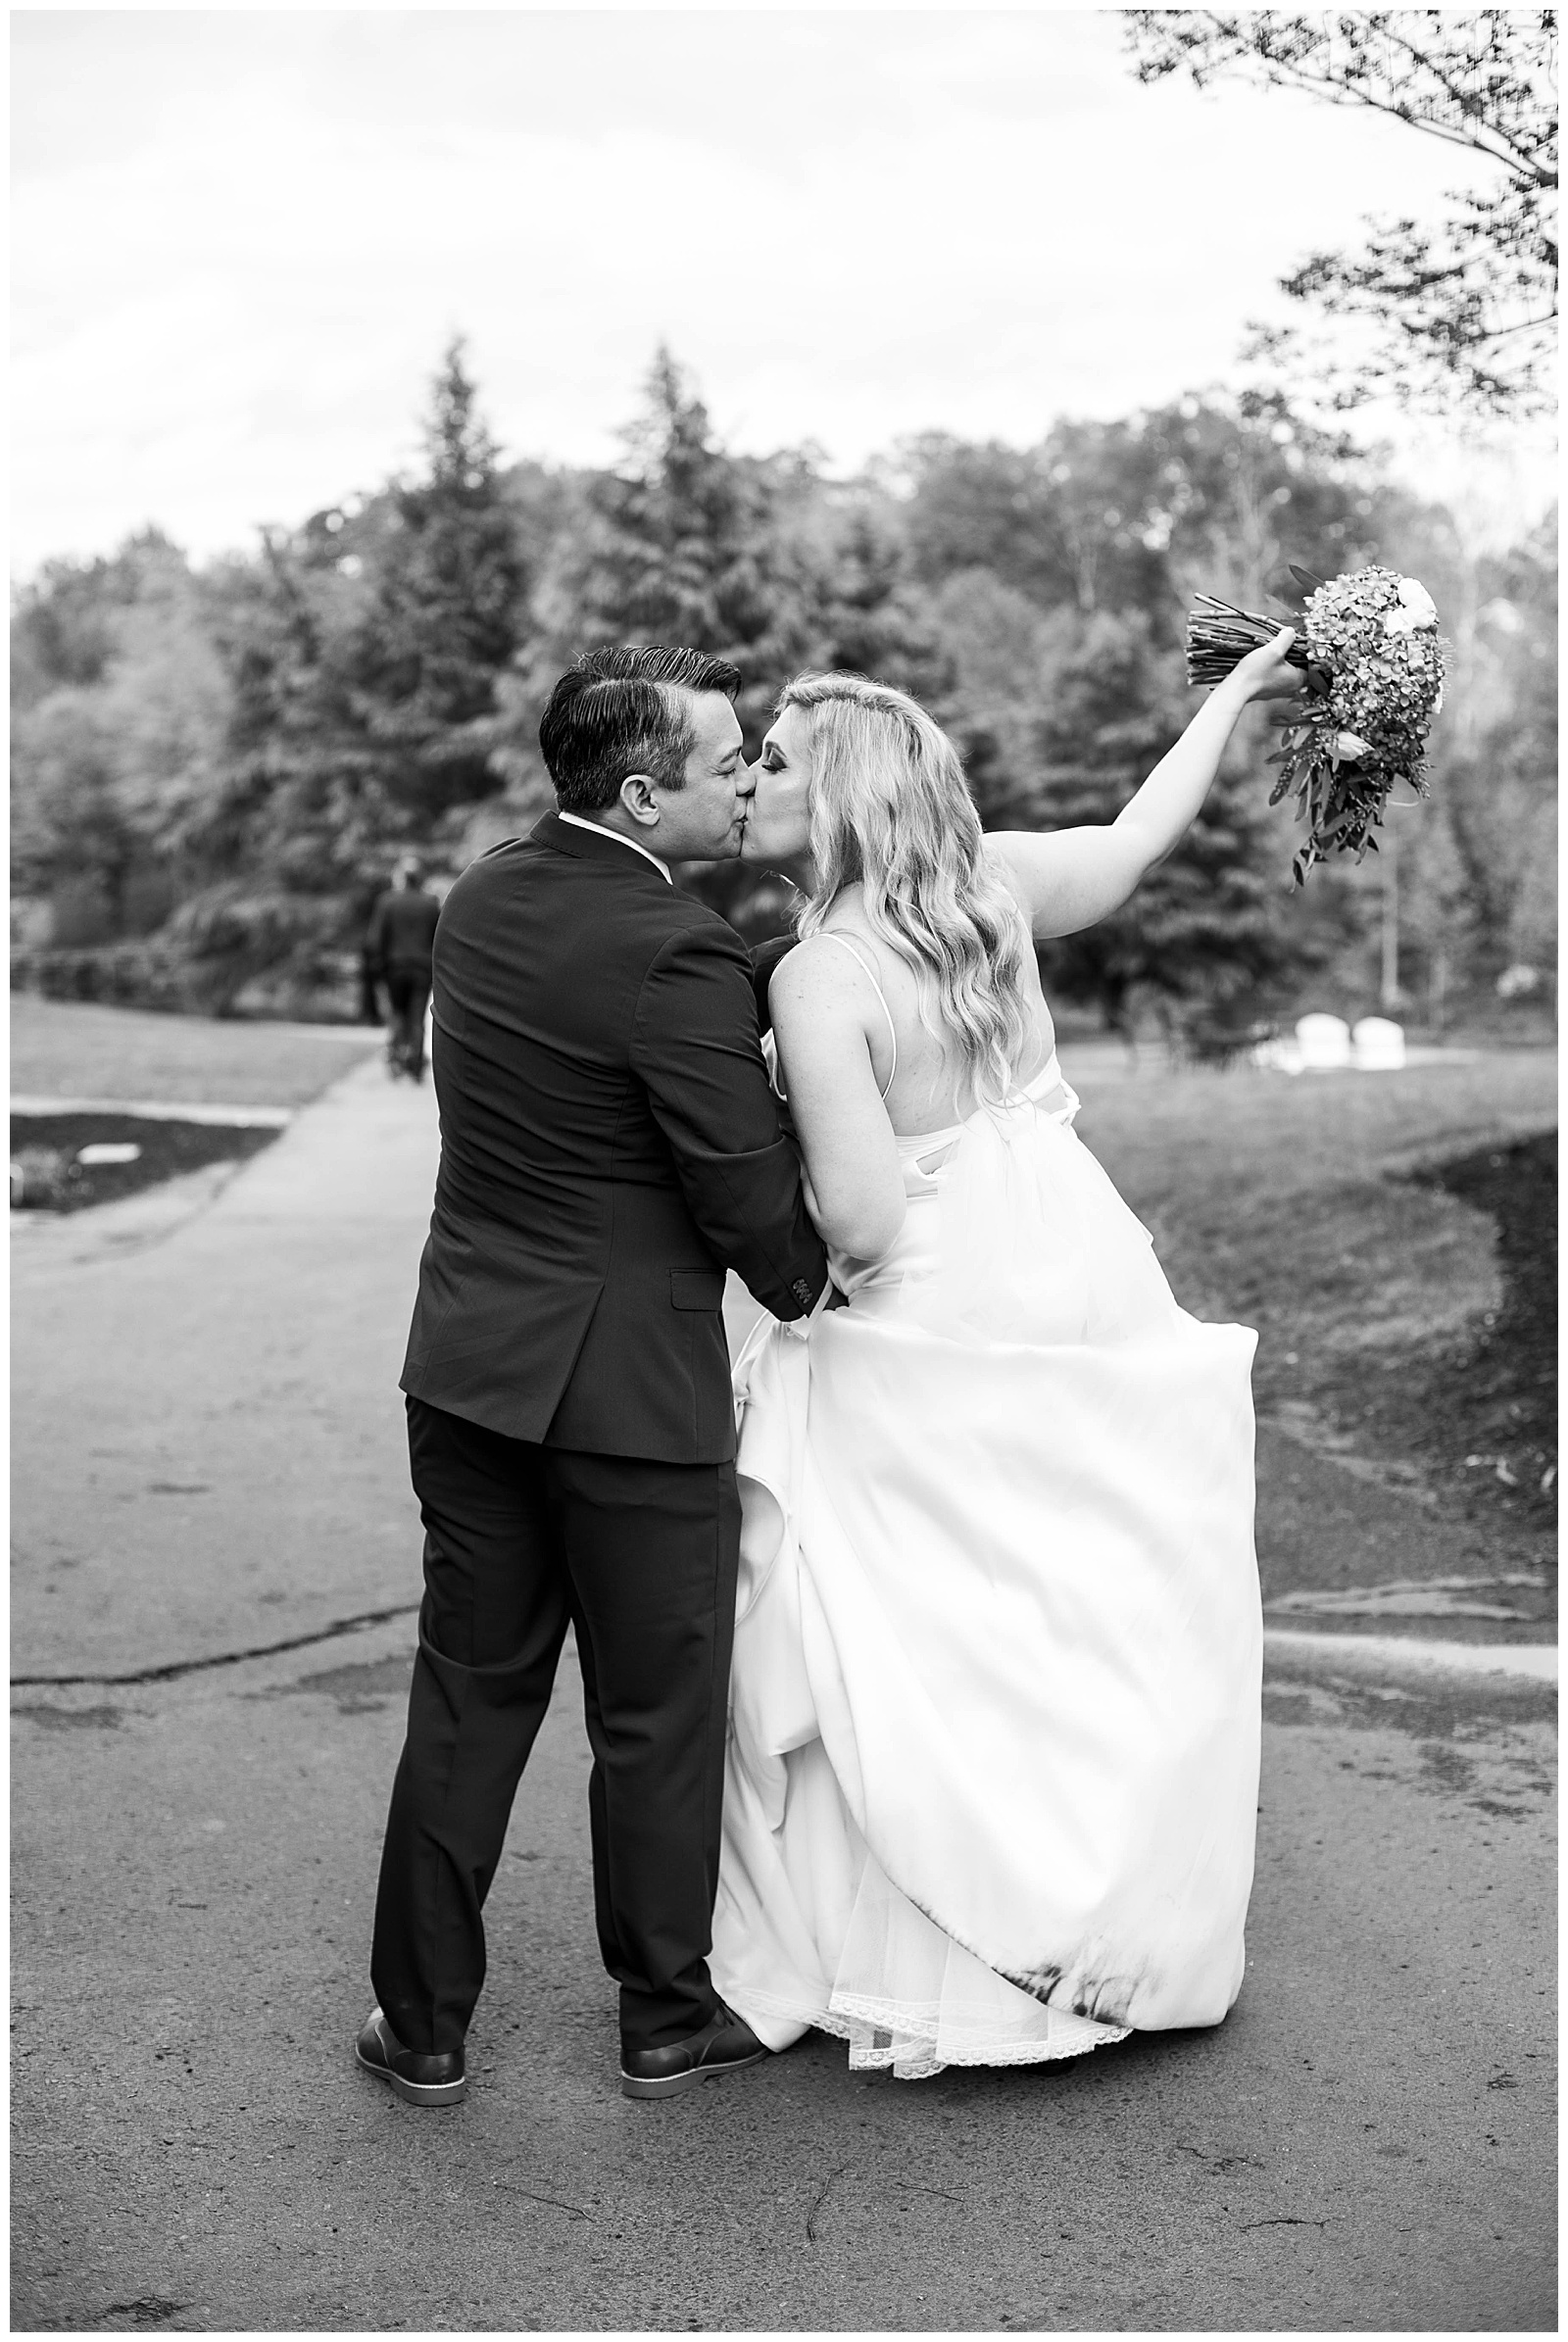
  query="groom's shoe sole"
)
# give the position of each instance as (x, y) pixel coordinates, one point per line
(724, 2045)
(633, 2085)
(378, 2046)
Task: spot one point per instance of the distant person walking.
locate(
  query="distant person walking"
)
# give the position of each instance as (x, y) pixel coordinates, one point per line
(399, 944)
(365, 901)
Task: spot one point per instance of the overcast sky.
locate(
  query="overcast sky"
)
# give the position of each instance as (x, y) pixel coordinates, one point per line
(242, 239)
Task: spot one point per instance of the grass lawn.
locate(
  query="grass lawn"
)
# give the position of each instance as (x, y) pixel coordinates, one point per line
(63, 1049)
(1393, 1330)
(1241, 1132)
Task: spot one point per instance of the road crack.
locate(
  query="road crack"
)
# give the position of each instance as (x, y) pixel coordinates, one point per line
(512, 2189)
(821, 2199)
(174, 1668)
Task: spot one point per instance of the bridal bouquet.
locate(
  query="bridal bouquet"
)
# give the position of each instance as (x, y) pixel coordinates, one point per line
(1373, 683)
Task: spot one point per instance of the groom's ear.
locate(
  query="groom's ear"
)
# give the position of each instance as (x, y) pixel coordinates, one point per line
(637, 795)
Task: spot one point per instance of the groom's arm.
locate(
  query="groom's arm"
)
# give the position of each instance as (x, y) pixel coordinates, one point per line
(695, 1049)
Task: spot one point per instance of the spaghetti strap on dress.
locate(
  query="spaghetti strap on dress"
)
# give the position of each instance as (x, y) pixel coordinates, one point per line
(868, 971)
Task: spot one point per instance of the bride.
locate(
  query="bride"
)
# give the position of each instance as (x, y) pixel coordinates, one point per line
(992, 1778)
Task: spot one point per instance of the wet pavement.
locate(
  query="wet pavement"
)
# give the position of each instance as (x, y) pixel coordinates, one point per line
(1367, 2144)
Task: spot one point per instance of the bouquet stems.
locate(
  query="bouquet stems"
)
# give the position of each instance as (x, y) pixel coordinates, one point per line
(1219, 636)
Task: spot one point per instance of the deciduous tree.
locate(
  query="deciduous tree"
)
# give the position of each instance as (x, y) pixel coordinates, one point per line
(1463, 312)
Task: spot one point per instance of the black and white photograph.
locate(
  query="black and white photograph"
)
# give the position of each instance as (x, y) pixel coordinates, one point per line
(783, 1003)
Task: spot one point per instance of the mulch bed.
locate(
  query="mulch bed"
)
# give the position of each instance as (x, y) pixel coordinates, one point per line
(1483, 1413)
(46, 1145)
(1505, 1384)
(1518, 1186)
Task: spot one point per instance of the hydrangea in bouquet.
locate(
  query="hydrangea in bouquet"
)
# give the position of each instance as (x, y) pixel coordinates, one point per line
(1373, 682)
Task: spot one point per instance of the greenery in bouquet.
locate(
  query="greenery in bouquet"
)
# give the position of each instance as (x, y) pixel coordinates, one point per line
(1373, 669)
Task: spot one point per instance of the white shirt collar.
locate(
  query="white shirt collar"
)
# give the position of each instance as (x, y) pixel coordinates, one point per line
(600, 831)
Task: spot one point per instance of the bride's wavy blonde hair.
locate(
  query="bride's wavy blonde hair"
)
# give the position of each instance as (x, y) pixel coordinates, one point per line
(890, 810)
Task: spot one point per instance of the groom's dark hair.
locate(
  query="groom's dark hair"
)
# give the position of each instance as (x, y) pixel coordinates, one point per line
(621, 709)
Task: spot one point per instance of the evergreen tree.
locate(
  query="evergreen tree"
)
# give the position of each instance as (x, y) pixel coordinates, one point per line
(444, 618)
(306, 801)
(870, 618)
(678, 544)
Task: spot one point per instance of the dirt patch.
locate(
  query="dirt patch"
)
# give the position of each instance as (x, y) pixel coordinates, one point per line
(1478, 1407)
(1407, 1333)
(363, 1686)
(1511, 1370)
(46, 1147)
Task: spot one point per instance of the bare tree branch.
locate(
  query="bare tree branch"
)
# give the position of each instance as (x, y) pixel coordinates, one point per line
(1442, 297)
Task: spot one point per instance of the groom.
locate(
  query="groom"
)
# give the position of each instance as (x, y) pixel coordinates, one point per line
(609, 1146)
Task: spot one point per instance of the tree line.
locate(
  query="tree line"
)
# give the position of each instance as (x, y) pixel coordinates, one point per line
(215, 766)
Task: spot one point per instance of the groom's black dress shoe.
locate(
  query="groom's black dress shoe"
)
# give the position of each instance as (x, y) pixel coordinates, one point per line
(440, 2079)
(725, 2042)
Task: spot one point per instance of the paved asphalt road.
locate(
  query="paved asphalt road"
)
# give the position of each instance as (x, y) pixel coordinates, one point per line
(208, 1461)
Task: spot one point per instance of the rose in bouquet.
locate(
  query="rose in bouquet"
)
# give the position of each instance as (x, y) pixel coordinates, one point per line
(1372, 683)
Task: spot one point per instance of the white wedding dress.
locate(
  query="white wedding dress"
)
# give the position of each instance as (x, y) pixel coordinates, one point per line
(991, 1778)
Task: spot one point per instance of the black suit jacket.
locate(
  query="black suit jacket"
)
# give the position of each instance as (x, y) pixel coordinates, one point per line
(402, 931)
(609, 1146)
(764, 959)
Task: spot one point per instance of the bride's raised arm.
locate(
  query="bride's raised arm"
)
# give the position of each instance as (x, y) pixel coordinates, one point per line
(822, 1023)
(1068, 879)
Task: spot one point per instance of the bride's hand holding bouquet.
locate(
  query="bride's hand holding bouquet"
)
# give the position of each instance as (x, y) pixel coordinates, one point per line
(1272, 671)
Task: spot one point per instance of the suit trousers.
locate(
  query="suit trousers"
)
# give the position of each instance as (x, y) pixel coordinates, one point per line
(641, 1558)
(409, 992)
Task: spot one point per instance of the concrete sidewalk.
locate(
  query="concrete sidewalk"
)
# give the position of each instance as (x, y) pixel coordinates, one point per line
(208, 1462)
(206, 1425)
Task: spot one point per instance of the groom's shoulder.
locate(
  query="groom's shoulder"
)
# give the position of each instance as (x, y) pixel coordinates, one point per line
(528, 877)
(496, 871)
(688, 914)
(679, 933)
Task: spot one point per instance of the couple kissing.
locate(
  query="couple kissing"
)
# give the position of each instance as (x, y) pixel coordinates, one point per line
(920, 1642)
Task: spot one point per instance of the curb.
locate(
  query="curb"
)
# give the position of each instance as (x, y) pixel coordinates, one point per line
(142, 1110)
(1395, 1654)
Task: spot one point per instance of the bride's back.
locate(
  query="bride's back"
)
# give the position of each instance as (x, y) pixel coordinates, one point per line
(932, 1085)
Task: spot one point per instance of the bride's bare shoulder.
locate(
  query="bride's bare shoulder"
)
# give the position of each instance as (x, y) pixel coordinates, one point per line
(814, 961)
(1006, 858)
(823, 981)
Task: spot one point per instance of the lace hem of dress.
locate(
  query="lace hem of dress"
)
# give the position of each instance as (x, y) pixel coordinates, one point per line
(885, 2033)
(905, 2036)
